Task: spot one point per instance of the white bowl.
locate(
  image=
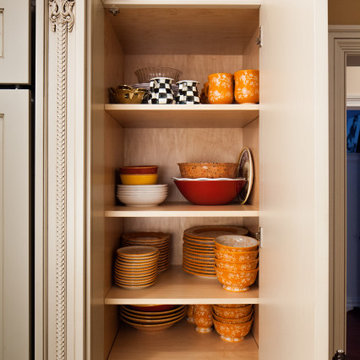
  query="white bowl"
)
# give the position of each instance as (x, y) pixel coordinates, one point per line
(142, 200)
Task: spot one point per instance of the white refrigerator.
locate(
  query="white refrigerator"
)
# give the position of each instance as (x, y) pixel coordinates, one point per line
(15, 185)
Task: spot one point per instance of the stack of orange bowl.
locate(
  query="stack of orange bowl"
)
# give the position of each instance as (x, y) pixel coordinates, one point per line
(136, 267)
(158, 240)
(233, 322)
(199, 245)
(139, 175)
(152, 317)
(236, 261)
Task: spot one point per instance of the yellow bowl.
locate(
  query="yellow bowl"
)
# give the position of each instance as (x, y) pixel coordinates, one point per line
(138, 179)
(232, 312)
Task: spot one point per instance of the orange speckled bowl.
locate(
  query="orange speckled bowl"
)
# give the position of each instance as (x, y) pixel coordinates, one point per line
(233, 321)
(236, 281)
(208, 170)
(233, 332)
(236, 266)
(236, 243)
(233, 256)
(232, 312)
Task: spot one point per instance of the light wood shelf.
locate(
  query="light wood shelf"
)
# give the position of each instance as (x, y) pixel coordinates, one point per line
(184, 210)
(179, 342)
(183, 116)
(175, 286)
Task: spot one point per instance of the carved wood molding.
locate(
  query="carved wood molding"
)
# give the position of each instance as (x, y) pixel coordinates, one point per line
(62, 21)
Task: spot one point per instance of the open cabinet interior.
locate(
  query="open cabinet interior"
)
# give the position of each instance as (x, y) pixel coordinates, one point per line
(199, 41)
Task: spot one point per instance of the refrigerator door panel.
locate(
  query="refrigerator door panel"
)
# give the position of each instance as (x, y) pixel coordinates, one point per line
(14, 225)
(14, 41)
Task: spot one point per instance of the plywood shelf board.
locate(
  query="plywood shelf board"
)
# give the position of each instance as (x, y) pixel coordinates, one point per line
(179, 342)
(183, 116)
(175, 286)
(183, 30)
(184, 210)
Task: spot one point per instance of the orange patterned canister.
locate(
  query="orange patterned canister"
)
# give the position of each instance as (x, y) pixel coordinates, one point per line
(203, 318)
(247, 86)
(221, 88)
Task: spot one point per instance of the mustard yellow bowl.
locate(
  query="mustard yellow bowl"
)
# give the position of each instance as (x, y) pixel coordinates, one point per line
(138, 179)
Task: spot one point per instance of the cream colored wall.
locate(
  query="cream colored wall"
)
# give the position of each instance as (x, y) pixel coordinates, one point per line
(353, 80)
(344, 12)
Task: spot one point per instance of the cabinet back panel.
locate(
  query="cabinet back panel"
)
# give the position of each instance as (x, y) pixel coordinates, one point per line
(193, 67)
(167, 147)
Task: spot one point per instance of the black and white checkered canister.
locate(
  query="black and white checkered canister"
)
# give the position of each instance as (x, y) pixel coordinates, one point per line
(161, 91)
(188, 92)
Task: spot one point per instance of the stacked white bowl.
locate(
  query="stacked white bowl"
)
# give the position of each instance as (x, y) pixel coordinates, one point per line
(142, 195)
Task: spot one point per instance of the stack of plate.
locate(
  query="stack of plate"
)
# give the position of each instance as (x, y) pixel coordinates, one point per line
(136, 267)
(158, 240)
(152, 317)
(199, 245)
(142, 195)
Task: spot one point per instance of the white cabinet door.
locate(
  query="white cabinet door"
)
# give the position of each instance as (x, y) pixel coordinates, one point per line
(294, 193)
(14, 41)
(14, 225)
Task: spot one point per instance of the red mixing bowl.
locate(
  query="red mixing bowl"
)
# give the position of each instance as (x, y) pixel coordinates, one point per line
(210, 191)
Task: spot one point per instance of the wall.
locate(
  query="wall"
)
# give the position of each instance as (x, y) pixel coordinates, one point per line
(353, 203)
(344, 12)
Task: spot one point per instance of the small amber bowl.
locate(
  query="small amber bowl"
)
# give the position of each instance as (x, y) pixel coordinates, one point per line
(237, 257)
(236, 281)
(236, 266)
(232, 312)
(220, 89)
(233, 321)
(232, 332)
(236, 243)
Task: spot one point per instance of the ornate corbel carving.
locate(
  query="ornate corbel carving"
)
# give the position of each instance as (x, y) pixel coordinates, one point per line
(62, 22)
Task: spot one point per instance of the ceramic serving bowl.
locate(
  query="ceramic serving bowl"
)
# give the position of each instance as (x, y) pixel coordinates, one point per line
(142, 195)
(232, 332)
(232, 312)
(240, 320)
(237, 257)
(236, 243)
(208, 170)
(236, 281)
(236, 266)
(209, 191)
(127, 95)
(138, 179)
(136, 170)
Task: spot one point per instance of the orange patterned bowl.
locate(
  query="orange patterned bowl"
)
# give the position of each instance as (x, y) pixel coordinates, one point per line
(236, 281)
(220, 89)
(233, 321)
(208, 170)
(246, 86)
(237, 257)
(236, 243)
(236, 266)
(232, 312)
(233, 332)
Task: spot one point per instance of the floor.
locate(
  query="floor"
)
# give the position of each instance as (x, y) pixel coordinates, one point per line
(353, 334)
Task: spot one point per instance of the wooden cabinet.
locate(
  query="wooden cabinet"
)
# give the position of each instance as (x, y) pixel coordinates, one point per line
(286, 134)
